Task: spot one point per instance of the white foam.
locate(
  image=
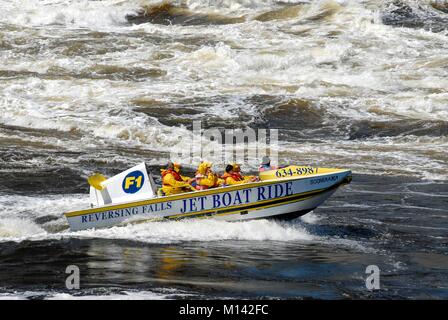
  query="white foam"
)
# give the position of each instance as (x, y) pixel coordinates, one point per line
(18, 214)
(18, 229)
(201, 230)
(380, 156)
(311, 218)
(273, 58)
(125, 295)
(122, 295)
(70, 13)
(37, 206)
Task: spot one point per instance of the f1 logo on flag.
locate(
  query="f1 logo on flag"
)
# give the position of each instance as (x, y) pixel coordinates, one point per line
(133, 182)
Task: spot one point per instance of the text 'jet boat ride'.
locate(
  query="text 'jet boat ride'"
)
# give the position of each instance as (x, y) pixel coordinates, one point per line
(131, 196)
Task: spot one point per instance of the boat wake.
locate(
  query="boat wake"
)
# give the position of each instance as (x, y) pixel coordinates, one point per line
(110, 294)
(164, 232)
(205, 230)
(170, 232)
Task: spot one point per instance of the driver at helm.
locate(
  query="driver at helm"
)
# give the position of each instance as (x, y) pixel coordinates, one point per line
(266, 165)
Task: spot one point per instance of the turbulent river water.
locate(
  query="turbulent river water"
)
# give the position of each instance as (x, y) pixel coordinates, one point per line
(102, 85)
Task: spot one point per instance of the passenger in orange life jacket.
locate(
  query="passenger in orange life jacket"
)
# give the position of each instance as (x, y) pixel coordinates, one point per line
(173, 182)
(266, 165)
(205, 178)
(233, 175)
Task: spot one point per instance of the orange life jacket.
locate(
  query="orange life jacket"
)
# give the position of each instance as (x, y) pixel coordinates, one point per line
(176, 176)
(236, 176)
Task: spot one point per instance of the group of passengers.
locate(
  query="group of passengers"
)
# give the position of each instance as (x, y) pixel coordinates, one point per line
(173, 182)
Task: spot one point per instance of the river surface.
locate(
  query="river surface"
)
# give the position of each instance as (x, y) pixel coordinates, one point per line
(99, 86)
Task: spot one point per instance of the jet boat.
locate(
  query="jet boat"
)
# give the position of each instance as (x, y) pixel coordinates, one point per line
(131, 197)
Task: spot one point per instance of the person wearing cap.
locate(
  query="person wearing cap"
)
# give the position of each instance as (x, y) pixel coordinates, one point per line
(266, 165)
(173, 182)
(233, 175)
(205, 178)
